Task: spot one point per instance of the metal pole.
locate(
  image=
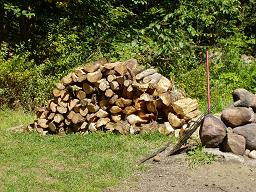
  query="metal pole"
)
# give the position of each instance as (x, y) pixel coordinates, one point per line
(208, 83)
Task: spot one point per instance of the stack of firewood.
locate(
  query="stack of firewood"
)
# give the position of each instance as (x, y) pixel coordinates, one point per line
(120, 97)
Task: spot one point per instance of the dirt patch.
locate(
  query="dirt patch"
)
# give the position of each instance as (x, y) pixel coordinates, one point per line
(174, 174)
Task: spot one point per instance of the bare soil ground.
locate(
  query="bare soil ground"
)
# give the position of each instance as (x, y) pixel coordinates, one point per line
(174, 174)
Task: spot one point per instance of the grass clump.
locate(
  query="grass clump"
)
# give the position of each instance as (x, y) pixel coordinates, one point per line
(197, 156)
(31, 162)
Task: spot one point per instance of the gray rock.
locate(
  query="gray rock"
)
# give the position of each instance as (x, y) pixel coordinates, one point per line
(252, 154)
(247, 151)
(212, 132)
(224, 155)
(234, 143)
(237, 116)
(249, 132)
(244, 98)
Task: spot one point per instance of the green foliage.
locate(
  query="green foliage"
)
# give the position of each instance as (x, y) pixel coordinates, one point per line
(198, 157)
(58, 35)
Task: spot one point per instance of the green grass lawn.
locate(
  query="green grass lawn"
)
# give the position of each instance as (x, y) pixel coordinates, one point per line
(30, 162)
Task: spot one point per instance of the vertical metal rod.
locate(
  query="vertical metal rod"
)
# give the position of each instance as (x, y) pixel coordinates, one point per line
(208, 83)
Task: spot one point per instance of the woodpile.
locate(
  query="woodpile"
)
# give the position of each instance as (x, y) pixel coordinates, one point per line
(117, 97)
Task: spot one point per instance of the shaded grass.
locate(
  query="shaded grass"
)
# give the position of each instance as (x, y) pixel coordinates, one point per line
(30, 162)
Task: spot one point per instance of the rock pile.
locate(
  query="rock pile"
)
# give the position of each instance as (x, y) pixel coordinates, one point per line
(235, 131)
(117, 97)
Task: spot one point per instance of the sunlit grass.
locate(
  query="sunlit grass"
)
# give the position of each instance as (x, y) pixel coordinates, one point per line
(31, 162)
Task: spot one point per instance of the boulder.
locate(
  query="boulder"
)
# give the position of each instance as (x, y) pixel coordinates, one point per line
(237, 116)
(234, 143)
(212, 132)
(244, 98)
(249, 132)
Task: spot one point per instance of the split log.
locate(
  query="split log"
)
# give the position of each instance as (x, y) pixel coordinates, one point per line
(120, 68)
(134, 119)
(166, 98)
(131, 66)
(184, 106)
(152, 79)
(101, 113)
(84, 125)
(62, 110)
(58, 118)
(111, 78)
(120, 80)
(92, 108)
(116, 118)
(129, 110)
(81, 75)
(174, 121)
(91, 117)
(53, 106)
(127, 82)
(109, 93)
(77, 118)
(92, 127)
(83, 111)
(51, 116)
(163, 85)
(71, 114)
(65, 96)
(91, 68)
(88, 89)
(145, 73)
(146, 97)
(67, 79)
(56, 92)
(115, 109)
(74, 77)
(94, 77)
(102, 121)
(193, 114)
(151, 106)
(141, 86)
(103, 103)
(114, 85)
(72, 103)
(42, 123)
(111, 65)
(103, 84)
(146, 116)
(127, 94)
(122, 102)
(52, 127)
(60, 86)
(110, 126)
(67, 122)
(139, 104)
(80, 94)
(113, 99)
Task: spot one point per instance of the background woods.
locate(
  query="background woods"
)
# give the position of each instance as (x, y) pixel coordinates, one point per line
(41, 41)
